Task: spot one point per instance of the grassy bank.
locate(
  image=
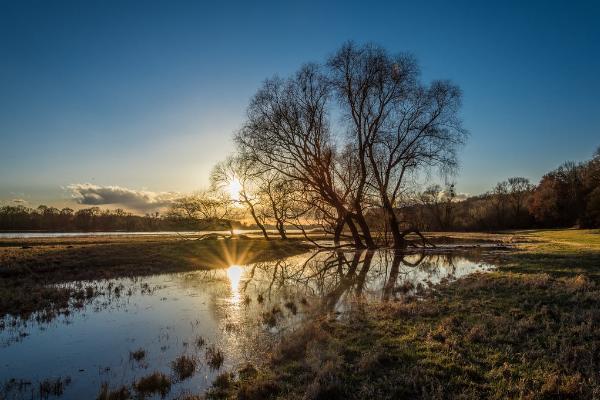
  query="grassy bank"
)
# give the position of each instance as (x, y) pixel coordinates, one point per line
(27, 267)
(529, 330)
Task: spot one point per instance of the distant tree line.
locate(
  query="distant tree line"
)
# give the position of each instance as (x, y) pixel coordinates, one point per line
(565, 197)
(44, 218)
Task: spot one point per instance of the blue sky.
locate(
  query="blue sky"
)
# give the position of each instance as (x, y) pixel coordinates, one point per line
(146, 95)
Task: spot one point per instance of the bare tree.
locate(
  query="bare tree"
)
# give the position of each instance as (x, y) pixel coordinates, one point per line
(440, 203)
(287, 131)
(208, 208)
(399, 125)
(393, 129)
(518, 190)
(278, 197)
(241, 170)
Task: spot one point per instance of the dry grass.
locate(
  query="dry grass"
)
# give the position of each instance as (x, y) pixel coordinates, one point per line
(121, 393)
(155, 383)
(27, 267)
(53, 387)
(214, 357)
(137, 355)
(184, 367)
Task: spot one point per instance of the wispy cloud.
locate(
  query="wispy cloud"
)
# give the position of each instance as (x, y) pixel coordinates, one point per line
(461, 196)
(139, 200)
(19, 201)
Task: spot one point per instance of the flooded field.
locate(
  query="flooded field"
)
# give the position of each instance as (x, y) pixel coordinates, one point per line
(192, 326)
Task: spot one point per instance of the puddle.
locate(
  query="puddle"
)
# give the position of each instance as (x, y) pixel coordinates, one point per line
(241, 311)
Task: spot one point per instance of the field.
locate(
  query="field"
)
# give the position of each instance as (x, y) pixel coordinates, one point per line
(28, 266)
(528, 330)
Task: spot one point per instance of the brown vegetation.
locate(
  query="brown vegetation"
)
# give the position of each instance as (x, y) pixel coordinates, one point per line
(27, 272)
(155, 383)
(184, 367)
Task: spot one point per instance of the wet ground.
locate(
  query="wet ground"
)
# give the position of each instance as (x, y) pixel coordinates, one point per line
(131, 327)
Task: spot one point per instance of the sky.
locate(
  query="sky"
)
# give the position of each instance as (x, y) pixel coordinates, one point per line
(135, 101)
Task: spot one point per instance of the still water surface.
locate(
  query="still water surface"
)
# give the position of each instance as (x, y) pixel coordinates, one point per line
(242, 310)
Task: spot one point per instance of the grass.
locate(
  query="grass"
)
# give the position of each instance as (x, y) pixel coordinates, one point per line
(53, 387)
(29, 266)
(214, 357)
(529, 330)
(155, 383)
(184, 367)
(121, 393)
(137, 355)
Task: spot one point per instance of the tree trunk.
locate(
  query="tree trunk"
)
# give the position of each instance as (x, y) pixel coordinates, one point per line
(399, 242)
(355, 235)
(364, 227)
(256, 221)
(337, 233)
(281, 230)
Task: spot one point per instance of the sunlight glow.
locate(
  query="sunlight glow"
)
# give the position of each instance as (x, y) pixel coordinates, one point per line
(234, 273)
(233, 188)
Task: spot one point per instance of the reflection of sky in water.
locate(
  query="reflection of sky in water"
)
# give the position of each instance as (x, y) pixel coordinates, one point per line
(165, 314)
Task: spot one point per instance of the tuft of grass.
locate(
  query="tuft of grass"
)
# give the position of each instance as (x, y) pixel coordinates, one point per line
(270, 318)
(184, 367)
(53, 387)
(121, 393)
(290, 305)
(137, 355)
(155, 383)
(200, 342)
(222, 387)
(214, 357)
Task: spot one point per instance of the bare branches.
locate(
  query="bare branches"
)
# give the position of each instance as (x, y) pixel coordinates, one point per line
(393, 127)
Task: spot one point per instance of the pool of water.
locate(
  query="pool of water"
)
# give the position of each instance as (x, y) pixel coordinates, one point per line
(241, 311)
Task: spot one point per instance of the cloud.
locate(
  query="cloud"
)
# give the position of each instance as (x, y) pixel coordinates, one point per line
(457, 196)
(461, 196)
(19, 201)
(139, 200)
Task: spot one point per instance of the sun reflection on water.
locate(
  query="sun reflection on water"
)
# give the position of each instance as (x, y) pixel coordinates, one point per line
(234, 273)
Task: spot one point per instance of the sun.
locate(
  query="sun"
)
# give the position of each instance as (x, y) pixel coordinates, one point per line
(233, 188)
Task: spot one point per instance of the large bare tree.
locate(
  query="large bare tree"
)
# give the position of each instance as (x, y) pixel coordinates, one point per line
(392, 129)
(287, 130)
(399, 125)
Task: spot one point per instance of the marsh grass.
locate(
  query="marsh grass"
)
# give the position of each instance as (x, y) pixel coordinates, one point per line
(200, 342)
(121, 393)
(28, 276)
(53, 387)
(184, 367)
(155, 383)
(137, 355)
(214, 357)
(221, 386)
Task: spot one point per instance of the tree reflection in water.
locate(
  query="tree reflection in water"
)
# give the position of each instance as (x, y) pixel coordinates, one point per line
(335, 278)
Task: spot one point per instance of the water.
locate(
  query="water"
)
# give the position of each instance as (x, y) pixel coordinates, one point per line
(242, 311)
